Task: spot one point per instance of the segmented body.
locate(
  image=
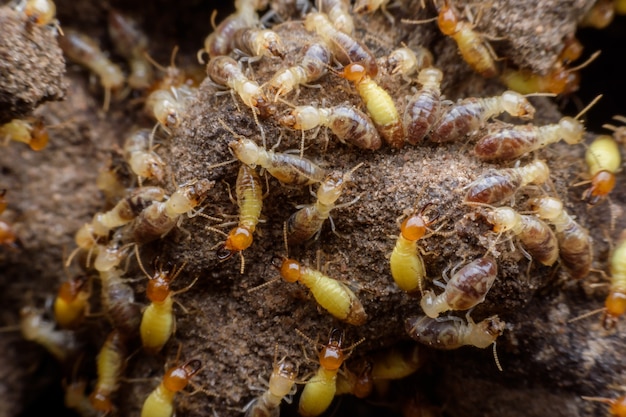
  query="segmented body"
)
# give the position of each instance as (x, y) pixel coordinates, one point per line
(424, 107)
(454, 333)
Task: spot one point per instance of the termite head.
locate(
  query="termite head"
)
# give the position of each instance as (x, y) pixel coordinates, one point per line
(563, 81)
(246, 151)
(354, 72)
(503, 219)
(177, 377)
(101, 402)
(331, 356)
(602, 184)
(615, 307)
(69, 290)
(517, 105)
(190, 195)
(430, 76)
(571, 130)
(546, 207)
(414, 227)
(240, 238)
(39, 136)
(271, 43)
(330, 189)
(40, 12)
(572, 50)
(489, 330)
(158, 287)
(447, 20)
(283, 376)
(290, 270)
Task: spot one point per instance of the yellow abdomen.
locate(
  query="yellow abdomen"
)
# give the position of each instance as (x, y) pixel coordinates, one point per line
(157, 325)
(159, 403)
(379, 103)
(318, 393)
(407, 266)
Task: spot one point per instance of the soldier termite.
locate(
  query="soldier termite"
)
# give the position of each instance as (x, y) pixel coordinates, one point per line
(313, 66)
(72, 302)
(467, 116)
(111, 361)
(160, 402)
(344, 47)
(453, 332)
(511, 142)
(615, 304)
(143, 161)
(498, 185)
(85, 51)
(286, 168)
(359, 383)
(424, 107)
(575, 244)
(319, 391)
(338, 12)
(379, 104)
(603, 160)
(30, 131)
(467, 288)
(131, 43)
(308, 221)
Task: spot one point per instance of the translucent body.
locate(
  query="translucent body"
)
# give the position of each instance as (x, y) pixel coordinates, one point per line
(308, 221)
(118, 301)
(471, 44)
(110, 364)
(615, 304)
(281, 384)
(287, 168)
(509, 143)
(313, 66)
(467, 116)
(169, 105)
(498, 185)
(29, 131)
(344, 47)
(60, 343)
(407, 265)
(408, 61)
(348, 123)
(424, 107)
(454, 333)
(332, 295)
(338, 12)
(379, 104)
(536, 236)
(131, 43)
(71, 302)
(575, 244)
(467, 288)
(258, 42)
(143, 161)
(160, 402)
(219, 42)
(603, 159)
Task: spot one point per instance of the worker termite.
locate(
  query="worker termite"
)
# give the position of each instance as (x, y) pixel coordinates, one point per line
(257, 43)
(408, 61)
(319, 391)
(370, 6)
(338, 12)
(225, 71)
(344, 47)
(603, 160)
(110, 362)
(396, 362)
(615, 304)
(313, 66)
(168, 106)
(575, 244)
(84, 51)
(143, 161)
(131, 43)
(467, 288)
(617, 406)
(379, 104)
(406, 263)
(30, 131)
(501, 184)
(424, 107)
(452, 332)
(308, 221)
(40, 12)
(281, 384)
(286, 168)
(160, 402)
(118, 301)
(71, 302)
(359, 383)
(348, 124)
(536, 236)
(600, 15)
(467, 116)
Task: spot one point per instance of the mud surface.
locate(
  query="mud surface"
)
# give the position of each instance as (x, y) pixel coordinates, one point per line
(548, 363)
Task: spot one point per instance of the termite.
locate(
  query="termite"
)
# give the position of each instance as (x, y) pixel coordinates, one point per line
(498, 185)
(406, 263)
(286, 168)
(603, 159)
(600, 15)
(281, 384)
(131, 43)
(348, 124)
(314, 65)
(536, 236)
(225, 71)
(85, 51)
(308, 221)
(344, 47)
(615, 304)
(72, 302)
(143, 161)
(160, 402)
(575, 243)
(319, 391)
(467, 116)
(408, 61)
(34, 327)
(359, 383)
(338, 12)
(378, 102)
(258, 43)
(453, 332)
(467, 288)
(75, 399)
(370, 6)
(617, 406)
(396, 362)
(168, 106)
(118, 301)
(424, 107)
(30, 131)
(39, 12)
(110, 363)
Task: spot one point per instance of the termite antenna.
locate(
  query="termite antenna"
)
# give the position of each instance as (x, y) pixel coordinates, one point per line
(265, 284)
(587, 314)
(418, 22)
(589, 106)
(495, 357)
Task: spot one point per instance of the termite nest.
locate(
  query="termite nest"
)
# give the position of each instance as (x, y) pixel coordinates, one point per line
(386, 160)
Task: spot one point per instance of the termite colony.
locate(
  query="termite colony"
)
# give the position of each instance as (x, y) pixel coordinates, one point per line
(328, 146)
